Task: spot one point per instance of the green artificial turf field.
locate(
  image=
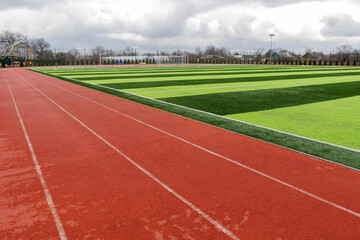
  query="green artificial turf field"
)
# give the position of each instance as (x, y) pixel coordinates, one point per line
(317, 102)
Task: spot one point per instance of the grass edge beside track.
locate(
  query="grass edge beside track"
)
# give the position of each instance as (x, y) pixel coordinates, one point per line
(321, 150)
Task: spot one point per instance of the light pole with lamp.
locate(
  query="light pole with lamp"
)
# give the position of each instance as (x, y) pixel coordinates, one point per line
(271, 36)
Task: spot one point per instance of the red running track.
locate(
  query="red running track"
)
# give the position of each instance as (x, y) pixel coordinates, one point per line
(101, 167)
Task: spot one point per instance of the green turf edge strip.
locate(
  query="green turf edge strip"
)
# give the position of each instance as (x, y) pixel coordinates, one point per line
(330, 152)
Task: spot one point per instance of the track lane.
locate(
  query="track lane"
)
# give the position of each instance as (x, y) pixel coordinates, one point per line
(24, 212)
(235, 194)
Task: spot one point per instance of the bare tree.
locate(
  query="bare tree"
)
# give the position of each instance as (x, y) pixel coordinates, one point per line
(74, 52)
(258, 53)
(98, 50)
(344, 52)
(7, 38)
(128, 51)
(149, 54)
(48, 54)
(40, 46)
(211, 50)
(224, 52)
(356, 54)
(177, 53)
(109, 52)
(346, 49)
(163, 53)
(308, 49)
(198, 52)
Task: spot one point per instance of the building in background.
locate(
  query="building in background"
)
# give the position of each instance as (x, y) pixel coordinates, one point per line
(19, 51)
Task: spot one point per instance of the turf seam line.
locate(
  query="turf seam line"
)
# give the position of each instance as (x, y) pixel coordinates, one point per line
(215, 115)
(46, 191)
(307, 154)
(230, 160)
(177, 195)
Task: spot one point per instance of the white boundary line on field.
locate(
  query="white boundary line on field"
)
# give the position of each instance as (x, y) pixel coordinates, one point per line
(212, 114)
(46, 191)
(217, 155)
(177, 195)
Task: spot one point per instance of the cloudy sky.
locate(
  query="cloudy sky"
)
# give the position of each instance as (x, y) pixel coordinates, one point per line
(240, 25)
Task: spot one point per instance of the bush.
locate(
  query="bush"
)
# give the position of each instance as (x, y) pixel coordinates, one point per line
(21, 64)
(348, 62)
(354, 63)
(2, 63)
(314, 62)
(325, 62)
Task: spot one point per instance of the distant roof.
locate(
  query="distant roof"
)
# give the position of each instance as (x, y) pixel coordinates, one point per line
(313, 55)
(11, 47)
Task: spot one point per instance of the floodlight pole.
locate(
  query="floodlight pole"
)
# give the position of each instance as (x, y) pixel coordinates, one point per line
(271, 36)
(100, 58)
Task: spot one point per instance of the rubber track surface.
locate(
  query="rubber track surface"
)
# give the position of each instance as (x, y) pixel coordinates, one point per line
(116, 169)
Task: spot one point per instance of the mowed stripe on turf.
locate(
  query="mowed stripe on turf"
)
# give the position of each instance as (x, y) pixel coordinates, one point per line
(201, 170)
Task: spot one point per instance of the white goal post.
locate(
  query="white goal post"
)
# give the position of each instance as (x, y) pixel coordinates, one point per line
(179, 60)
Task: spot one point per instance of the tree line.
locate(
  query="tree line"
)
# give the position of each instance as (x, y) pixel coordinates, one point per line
(43, 50)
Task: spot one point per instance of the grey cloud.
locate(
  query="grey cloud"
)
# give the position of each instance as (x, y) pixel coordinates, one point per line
(201, 5)
(277, 3)
(29, 4)
(340, 25)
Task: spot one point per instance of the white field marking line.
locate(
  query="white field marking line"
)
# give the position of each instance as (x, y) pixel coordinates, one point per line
(212, 114)
(237, 86)
(177, 195)
(49, 199)
(220, 156)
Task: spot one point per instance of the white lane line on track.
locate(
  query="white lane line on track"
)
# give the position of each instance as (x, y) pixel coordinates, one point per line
(177, 195)
(218, 155)
(49, 199)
